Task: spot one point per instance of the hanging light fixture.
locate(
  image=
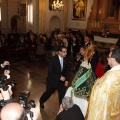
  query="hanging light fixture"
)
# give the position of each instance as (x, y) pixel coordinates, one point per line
(57, 5)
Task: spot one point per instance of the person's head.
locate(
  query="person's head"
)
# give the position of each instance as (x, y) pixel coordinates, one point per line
(22, 38)
(82, 50)
(67, 35)
(60, 36)
(12, 111)
(67, 102)
(31, 37)
(62, 51)
(55, 35)
(74, 38)
(48, 35)
(87, 38)
(63, 35)
(114, 58)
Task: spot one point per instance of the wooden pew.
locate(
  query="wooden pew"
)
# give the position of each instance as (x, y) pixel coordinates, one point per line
(16, 53)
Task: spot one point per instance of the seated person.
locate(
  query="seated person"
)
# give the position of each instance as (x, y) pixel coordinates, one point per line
(69, 111)
(83, 82)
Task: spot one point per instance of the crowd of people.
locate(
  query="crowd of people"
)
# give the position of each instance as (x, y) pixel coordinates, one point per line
(94, 92)
(93, 79)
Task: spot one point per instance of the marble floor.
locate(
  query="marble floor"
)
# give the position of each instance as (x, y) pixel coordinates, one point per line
(31, 76)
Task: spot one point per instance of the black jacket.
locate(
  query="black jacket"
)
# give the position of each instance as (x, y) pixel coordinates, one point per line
(73, 113)
(54, 71)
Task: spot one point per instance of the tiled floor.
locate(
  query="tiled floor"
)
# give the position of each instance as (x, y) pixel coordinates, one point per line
(31, 76)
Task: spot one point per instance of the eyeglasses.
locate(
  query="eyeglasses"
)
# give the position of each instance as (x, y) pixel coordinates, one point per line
(64, 51)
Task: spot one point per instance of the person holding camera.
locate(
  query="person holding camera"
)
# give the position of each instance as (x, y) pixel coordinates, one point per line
(4, 64)
(6, 71)
(5, 96)
(14, 111)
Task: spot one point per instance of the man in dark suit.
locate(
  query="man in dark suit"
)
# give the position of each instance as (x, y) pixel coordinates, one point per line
(86, 40)
(69, 111)
(58, 76)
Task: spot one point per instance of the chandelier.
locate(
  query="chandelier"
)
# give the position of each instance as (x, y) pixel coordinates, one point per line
(57, 5)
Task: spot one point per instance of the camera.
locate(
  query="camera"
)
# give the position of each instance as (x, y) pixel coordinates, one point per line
(29, 105)
(7, 67)
(5, 86)
(23, 100)
(2, 103)
(23, 97)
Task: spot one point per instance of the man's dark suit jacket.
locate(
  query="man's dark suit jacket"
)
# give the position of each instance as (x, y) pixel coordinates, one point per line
(73, 113)
(54, 71)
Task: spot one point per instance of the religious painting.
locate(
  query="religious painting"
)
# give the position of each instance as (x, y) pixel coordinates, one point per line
(79, 9)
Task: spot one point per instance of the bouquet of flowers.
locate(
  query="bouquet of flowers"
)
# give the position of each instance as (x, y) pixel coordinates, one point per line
(105, 31)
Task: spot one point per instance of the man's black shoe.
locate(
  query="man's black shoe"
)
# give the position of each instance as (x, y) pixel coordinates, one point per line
(42, 105)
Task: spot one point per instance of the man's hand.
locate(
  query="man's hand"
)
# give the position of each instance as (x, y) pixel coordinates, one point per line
(62, 78)
(60, 109)
(66, 83)
(1, 97)
(6, 94)
(6, 63)
(35, 114)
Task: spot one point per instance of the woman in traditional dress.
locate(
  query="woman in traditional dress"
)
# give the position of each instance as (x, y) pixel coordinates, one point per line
(83, 82)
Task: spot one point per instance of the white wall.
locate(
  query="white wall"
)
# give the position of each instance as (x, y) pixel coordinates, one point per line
(9, 9)
(78, 23)
(50, 14)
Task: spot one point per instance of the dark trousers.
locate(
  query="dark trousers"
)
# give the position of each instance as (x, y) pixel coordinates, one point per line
(50, 90)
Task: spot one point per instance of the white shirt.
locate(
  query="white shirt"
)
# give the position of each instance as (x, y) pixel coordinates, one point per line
(61, 61)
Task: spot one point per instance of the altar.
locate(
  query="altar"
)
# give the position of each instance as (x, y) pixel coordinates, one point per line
(103, 44)
(105, 40)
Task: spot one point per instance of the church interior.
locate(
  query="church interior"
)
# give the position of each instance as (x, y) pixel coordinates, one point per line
(19, 17)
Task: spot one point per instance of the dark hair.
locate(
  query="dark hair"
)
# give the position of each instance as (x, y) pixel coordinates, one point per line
(102, 57)
(116, 54)
(82, 47)
(61, 47)
(87, 35)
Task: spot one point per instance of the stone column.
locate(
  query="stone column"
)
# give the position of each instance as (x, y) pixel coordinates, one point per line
(65, 16)
(42, 16)
(104, 9)
(93, 15)
(36, 16)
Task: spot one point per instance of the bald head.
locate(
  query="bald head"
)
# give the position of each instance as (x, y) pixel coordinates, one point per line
(12, 111)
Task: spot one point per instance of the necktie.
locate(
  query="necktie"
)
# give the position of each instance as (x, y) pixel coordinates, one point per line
(61, 63)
